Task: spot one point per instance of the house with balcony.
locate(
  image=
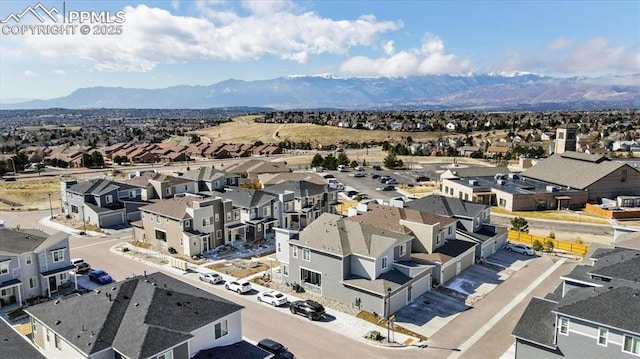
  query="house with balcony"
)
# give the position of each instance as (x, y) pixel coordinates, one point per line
(189, 224)
(355, 263)
(150, 316)
(101, 202)
(33, 264)
(252, 218)
(301, 202)
(592, 314)
(434, 237)
(473, 221)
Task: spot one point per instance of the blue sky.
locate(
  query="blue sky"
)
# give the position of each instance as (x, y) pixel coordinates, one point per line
(168, 43)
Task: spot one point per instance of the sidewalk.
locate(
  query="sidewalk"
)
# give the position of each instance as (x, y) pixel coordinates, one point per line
(343, 324)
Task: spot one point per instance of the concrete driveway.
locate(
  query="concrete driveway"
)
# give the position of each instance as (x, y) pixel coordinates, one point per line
(509, 260)
(429, 312)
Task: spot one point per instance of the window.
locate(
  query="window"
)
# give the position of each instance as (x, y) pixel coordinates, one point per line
(74, 209)
(449, 230)
(259, 227)
(439, 239)
(217, 217)
(186, 224)
(310, 277)
(564, 326)
(279, 247)
(56, 339)
(219, 234)
(207, 221)
(181, 245)
(266, 212)
(221, 329)
(285, 269)
(58, 256)
(108, 199)
(403, 250)
(228, 216)
(603, 333)
(385, 262)
(295, 252)
(166, 355)
(624, 176)
(502, 202)
(4, 267)
(63, 276)
(631, 344)
(27, 259)
(236, 214)
(168, 191)
(132, 194)
(161, 235)
(33, 282)
(306, 254)
(157, 219)
(6, 292)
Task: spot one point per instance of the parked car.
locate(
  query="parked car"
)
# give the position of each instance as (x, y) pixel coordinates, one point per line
(375, 176)
(351, 193)
(422, 179)
(376, 167)
(520, 248)
(272, 297)
(81, 265)
(359, 174)
(211, 277)
(99, 276)
(362, 195)
(278, 350)
(239, 286)
(308, 308)
(342, 168)
(387, 188)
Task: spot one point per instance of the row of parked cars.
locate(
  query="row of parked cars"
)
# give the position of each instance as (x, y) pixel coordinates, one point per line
(95, 275)
(307, 308)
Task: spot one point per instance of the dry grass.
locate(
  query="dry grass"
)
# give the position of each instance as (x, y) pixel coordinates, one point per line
(24, 329)
(235, 269)
(245, 130)
(554, 215)
(29, 194)
(144, 245)
(369, 317)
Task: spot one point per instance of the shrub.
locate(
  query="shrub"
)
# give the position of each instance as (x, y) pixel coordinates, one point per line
(552, 235)
(172, 250)
(537, 245)
(548, 245)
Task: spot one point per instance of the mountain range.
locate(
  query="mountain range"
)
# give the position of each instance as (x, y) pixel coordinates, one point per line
(493, 92)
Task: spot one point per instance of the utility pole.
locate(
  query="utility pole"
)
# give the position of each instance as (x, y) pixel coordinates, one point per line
(388, 302)
(84, 223)
(50, 207)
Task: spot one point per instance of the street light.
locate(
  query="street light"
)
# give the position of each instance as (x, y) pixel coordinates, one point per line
(388, 309)
(50, 207)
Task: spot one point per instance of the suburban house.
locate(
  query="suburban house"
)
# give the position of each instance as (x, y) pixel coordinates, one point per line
(355, 263)
(434, 237)
(32, 264)
(210, 178)
(156, 185)
(473, 221)
(301, 202)
(249, 170)
(592, 314)
(255, 214)
(269, 179)
(150, 316)
(189, 224)
(101, 202)
(16, 345)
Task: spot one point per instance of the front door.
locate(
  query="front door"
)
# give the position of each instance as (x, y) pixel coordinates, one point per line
(53, 284)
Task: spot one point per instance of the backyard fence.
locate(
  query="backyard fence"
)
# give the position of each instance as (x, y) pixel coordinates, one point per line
(559, 245)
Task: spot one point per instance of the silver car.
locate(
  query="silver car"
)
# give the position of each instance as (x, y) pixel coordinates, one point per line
(520, 248)
(211, 277)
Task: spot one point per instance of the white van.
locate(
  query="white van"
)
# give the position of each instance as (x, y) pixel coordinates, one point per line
(342, 168)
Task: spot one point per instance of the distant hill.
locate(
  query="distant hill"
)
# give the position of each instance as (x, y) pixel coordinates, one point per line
(485, 92)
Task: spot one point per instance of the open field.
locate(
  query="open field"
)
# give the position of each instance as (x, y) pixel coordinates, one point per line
(245, 130)
(26, 195)
(577, 217)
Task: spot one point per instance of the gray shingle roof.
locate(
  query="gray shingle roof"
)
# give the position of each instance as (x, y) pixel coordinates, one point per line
(393, 279)
(447, 206)
(300, 189)
(585, 169)
(595, 305)
(537, 322)
(255, 167)
(268, 179)
(144, 316)
(175, 207)
(204, 173)
(15, 345)
(27, 240)
(627, 269)
(247, 198)
(98, 187)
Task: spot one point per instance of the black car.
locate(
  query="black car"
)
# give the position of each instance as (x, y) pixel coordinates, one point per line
(278, 350)
(308, 308)
(388, 188)
(377, 168)
(375, 176)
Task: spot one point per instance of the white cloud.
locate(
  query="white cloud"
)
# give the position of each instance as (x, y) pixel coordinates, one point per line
(388, 47)
(175, 4)
(429, 59)
(152, 36)
(29, 73)
(558, 44)
(59, 72)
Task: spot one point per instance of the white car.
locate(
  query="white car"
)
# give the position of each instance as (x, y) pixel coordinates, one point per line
(272, 297)
(520, 248)
(238, 285)
(211, 277)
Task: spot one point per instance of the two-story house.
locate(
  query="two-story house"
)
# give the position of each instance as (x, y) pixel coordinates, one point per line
(473, 221)
(594, 313)
(434, 236)
(150, 316)
(101, 202)
(32, 264)
(302, 202)
(354, 263)
(210, 178)
(156, 185)
(189, 224)
(252, 217)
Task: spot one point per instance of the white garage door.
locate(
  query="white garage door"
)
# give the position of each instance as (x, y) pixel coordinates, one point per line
(421, 286)
(398, 300)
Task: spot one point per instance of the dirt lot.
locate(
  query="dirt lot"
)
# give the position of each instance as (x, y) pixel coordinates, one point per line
(29, 195)
(242, 268)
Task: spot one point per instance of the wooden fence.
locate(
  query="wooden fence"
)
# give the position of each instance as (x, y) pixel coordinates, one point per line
(565, 246)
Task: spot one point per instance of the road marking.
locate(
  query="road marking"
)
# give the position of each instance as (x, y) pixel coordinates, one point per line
(485, 328)
(98, 243)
